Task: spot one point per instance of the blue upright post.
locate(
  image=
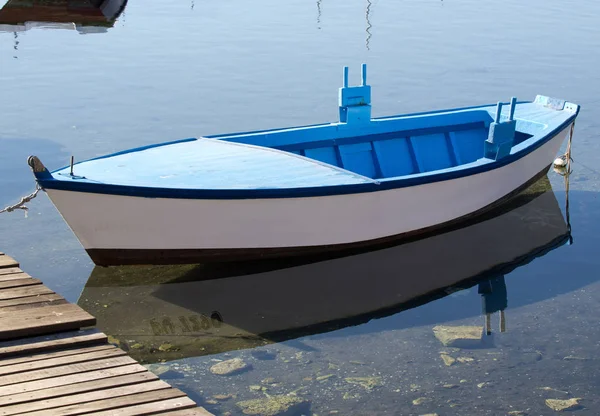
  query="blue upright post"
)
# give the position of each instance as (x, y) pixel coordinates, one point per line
(363, 73)
(498, 112)
(501, 135)
(345, 77)
(355, 102)
(513, 105)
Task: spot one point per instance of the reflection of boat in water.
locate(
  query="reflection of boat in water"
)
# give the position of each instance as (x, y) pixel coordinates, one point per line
(205, 309)
(85, 16)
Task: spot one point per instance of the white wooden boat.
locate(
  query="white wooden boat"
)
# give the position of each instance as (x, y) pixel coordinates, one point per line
(212, 308)
(357, 182)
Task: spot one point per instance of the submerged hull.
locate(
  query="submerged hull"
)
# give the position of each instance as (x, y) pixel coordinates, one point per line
(120, 229)
(209, 309)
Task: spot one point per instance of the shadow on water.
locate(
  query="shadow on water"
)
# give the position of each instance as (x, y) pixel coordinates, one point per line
(84, 16)
(209, 309)
(17, 179)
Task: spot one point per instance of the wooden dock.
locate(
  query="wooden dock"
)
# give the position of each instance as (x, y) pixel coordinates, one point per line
(53, 362)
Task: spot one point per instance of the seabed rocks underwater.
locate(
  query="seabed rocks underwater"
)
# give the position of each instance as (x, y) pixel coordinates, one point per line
(528, 370)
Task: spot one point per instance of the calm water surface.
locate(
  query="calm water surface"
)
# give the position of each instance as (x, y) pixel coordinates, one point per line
(344, 335)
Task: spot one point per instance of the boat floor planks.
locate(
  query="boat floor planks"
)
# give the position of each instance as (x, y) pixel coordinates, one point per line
(53, 363)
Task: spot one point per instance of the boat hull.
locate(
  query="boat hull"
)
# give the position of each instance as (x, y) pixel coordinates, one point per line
(120, 230)
(210, 309)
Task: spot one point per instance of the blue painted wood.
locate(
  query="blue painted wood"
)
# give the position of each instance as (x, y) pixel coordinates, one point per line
(343, 131)
(501, 134)
(413, 155)
(355, 102)
(468, 144)
(379, 137)
(323, 154)
(358, 158)
(432, 152)
(395, 157)
(482, 165)
(451, 150)
(325, 159)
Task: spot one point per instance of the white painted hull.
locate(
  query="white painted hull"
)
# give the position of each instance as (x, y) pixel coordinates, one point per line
(109, 222)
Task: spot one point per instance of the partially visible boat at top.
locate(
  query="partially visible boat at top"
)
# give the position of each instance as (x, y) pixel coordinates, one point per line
(358, 182)
(84, 16)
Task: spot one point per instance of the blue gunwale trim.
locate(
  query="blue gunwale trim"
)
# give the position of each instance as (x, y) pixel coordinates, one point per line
(153, 192)
(393, 183)
(390, 117)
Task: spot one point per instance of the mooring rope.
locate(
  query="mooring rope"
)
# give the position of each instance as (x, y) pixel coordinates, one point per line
(22, 202)
(566, 159)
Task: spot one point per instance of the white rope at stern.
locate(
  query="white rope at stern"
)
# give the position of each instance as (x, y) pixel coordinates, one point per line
(22, 202)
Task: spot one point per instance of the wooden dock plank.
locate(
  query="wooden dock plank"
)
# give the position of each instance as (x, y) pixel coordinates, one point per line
(10, 270)
(11, 349)
(13, 276)
(44, 320)
(197, 411)
(83, 398)
(39, 304)
(66, 370)
(29, 300)
(86, 386)
(55, 354)
(7, 294)
(19, 282)
(158, 408)
(60, 361)
(115, 403)
(7, 261)
(77, 378)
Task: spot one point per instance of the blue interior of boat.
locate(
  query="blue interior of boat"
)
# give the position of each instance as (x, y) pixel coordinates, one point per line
(357, 154)
(388, 147)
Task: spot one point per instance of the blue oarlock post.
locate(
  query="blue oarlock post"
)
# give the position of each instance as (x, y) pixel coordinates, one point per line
(355, 102)
(501, 135)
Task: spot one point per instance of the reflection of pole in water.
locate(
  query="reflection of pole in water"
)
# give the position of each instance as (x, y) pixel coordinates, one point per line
(16, 47)
(319, 14)
(567, 206)
(494, 299)
(369, 26)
